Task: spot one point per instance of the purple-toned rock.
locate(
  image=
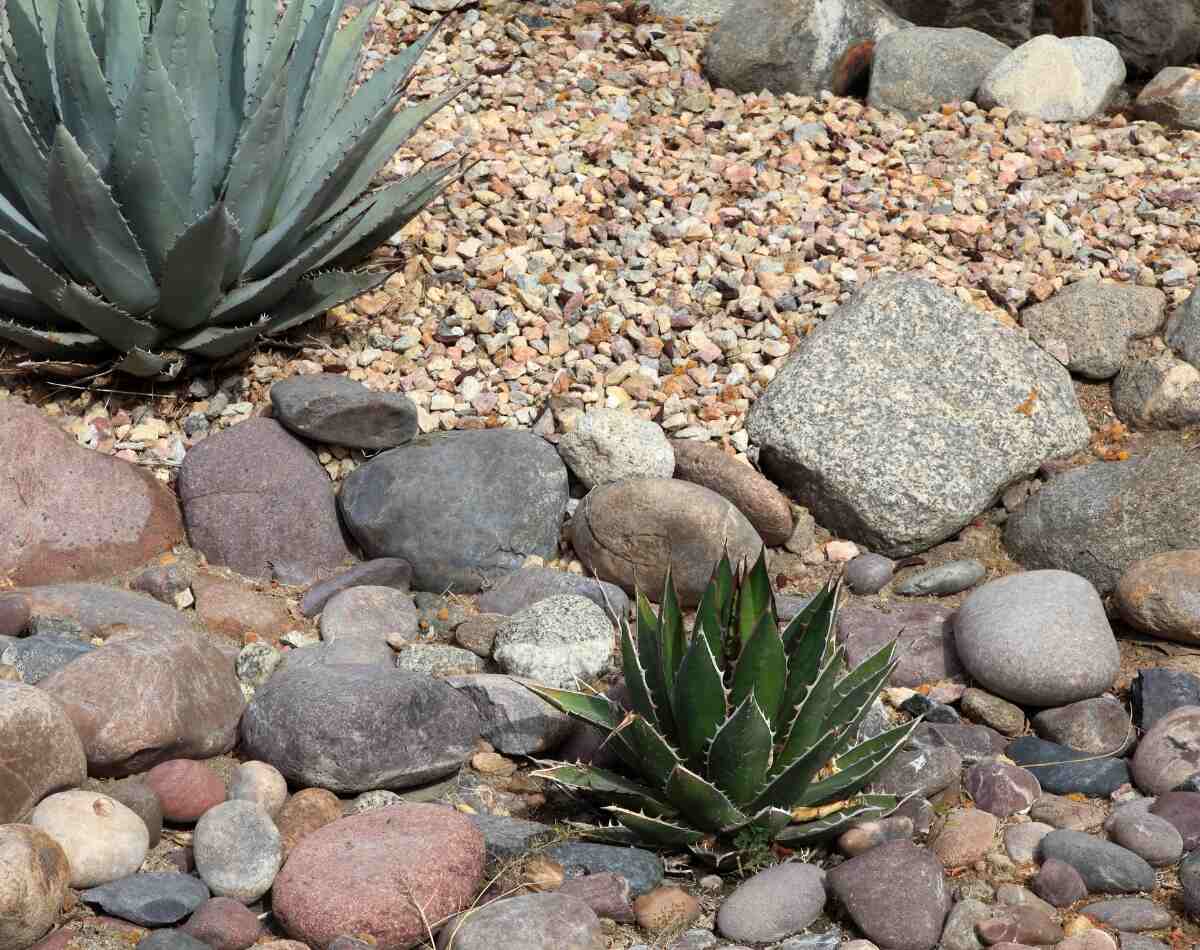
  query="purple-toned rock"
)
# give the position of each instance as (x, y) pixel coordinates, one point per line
(1182, 810)
(870, 834)
(140, 701)
(867, 887)
(14, 613)
(1059, 883)
(524, 588)
(1022, 925)
(256, 500)
(224, 924)
(607, 894)
(962, 836)
(534, 921)
(104, 611)
(380, 572)
(926, 651)
(40, 751)
(346, 877)
(1169, 752)
(1154, 837)
(1002, 789)
(185, 788)
(1098, 726)
(70, 513)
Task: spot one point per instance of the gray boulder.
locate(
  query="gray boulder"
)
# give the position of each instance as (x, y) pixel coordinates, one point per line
(355, 727)
(532, 921)
(884, 370)
(1099, 519)
(1171, 98)
(709, 11)
(1150, 34)
(1183, 330)
(557, 642)
(463, 508)
(339, 411)
(1092, 323)
(512, 718)
(797, 46)
(1009, 21)
(1056, 80)
(916, 70)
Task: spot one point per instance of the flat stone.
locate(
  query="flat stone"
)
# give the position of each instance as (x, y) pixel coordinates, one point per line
(70, 513)
(926, 649)
(256, 500)
(33, 886)
(354, 727)
(755, 496)
(1096, 321)
(1157, 691)
(380, 572)
(642, 869)
(514, 592)
(40, 751)
(862, 836)
(945, 579)
(1001, 789)
(1021, 841)
(103, 611)
(478, 633)
(152, 899)
(892, 338)
(1106, 868)
(35, 658)
(1062, 812)
(556, 642)
(1020, 925)
(962, 836)
(1039, 638)
(927, 771)
(339, 411)
(916, 70)
(1098, 726)
(102, 839)
(367, 612)
(606, 894)
(607, 445)
(505, 503)
(1129, 913)
(1096, 778)
(233, 609)
(1171, 98)
(972, 743)
(773, 904)
(1160, 595)
(438, 659)
(512, 718)
(1169, 752)
(506, 838)
(537, 921)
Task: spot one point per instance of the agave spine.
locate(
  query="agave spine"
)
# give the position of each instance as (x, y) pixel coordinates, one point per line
(744, 726)
(181, 176)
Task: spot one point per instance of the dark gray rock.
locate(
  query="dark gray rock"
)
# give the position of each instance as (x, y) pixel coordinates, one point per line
(1129, 914)
(926, 651)
(380, 572)
(773, 904)
(1096, 778)
(934, 713)
(170, 940)
(370, 613)
(1098, 519)
(887, 348)
(339, 411)
(507, 838)
(152, 899)
(1183, 329)
(512, 718)
(867, 886)
(1097, 726)
(1106, 868)
(869, 573)
(533, 921)
(926, 771)
(523, 588)
(35, 658)
(1009, 21)
(972, 743)
(1189, 879)
(916, 70)
(1039, 638)
(255, 499)
(505, 502)
(949, 578)
(801, 47)
(1093, 322)
(14, 613)
(642, 869)
(1156, 692)
(1150, 34)
(350, 728)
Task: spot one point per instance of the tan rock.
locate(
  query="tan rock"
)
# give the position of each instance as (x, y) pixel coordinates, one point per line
(33, 885)
(666, 908)
(233, 609)
(962, 836)
(1160, 595)
(753, 494)
(305, 812)
(40, 751)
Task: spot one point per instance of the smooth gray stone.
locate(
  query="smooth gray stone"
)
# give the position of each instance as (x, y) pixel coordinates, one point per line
(949, 578)
(151, 899)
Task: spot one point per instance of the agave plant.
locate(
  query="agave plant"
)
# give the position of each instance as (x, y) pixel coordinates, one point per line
(178, 176)
(746, 727)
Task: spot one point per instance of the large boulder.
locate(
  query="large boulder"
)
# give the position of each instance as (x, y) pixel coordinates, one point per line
(1009, 21)
(464, 508)
(631, 532)
(40, 751)
(797, 46)
(1099, 519)
(1056, 80)
(256, 500)
(384, 875)
(906, 413)
(337, 410)
(70, 513)
(148, 698)
(917, 70)
(353, 727)
(1150, 34)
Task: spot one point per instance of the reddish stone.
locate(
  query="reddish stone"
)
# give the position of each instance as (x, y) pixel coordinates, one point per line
(754, 495)
(14, 613)
(305, 812)
(185, 788)
(232, 609)
(373, 874)
(70, 513)
(224, 924)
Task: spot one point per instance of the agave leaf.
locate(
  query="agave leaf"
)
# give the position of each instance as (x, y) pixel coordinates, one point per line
(257, 24)
(658, 831)
(149, 365)
(771, 820)
(698, 700)
(808, 721)
(333, 74)
(593, 708)
(674, 641)
(99, 244)
(858, 688)
(217, 342)
(609, 834)
(20, 227)
(124, 29)
(608, 785)
(258, 153)
(57, 344)
(761, 669)
(708, 622)
(789, 784)
(861, 809)
(754, 598)
(314, 295)
(654, 758)
(740, 753)
(184, 36)
(192, 273)
(86, 107)
(16, 300)
(283, 40)
(314, 34)
(26, 55)
(817, 619)
(114, 326)
(228, 20)
(809, 642)
(24, 157)
(705, 805)
(857, 766)
(640, 698)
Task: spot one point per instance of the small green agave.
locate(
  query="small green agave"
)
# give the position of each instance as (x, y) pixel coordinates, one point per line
(744, 728)
(180, 177)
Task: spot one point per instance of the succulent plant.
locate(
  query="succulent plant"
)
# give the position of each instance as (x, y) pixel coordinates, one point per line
(743, 728)
(179, 176)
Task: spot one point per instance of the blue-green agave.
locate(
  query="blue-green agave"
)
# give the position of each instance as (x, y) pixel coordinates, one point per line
(744, 727)
(179, 176)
